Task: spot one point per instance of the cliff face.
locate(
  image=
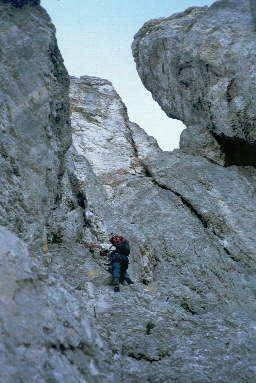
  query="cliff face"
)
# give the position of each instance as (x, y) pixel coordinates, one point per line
(35, 128)
(45, 334)
(194, 63)
(193, 256)
(189, 214)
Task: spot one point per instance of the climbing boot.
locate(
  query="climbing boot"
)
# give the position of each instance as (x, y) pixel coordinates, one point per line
(129, 281)
(115, 283)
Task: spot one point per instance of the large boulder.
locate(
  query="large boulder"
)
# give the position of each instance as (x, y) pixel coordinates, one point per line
(199, 67)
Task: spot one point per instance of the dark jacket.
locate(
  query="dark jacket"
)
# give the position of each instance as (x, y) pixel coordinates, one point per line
(119, 260)
(123, 248)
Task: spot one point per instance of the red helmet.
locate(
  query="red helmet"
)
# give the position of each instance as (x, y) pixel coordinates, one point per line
(116, 239)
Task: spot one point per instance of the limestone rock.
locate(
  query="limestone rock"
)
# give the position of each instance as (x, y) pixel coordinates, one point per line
(189, 235)
(211, 192)
(199, 67)
(102, 132)
(35, 128)
(188, 227)
(45, 333)
(190, 316)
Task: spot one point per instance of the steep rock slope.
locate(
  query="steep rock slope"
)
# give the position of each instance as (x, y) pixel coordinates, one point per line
(190, 317)
(192, 249)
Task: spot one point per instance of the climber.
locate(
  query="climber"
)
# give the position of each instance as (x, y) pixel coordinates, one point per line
(117, 252)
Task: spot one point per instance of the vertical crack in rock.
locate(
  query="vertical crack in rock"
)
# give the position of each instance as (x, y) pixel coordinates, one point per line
(133, 145)
(80, 196)
(135, 149)
(183, 199)
(143, 147)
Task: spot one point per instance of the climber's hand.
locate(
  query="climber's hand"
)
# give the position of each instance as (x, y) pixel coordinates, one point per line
(104, 253)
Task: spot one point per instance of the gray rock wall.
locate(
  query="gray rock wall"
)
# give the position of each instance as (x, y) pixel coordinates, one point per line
(190, 218)
(45, 333)
(35, 128)
(192, 253)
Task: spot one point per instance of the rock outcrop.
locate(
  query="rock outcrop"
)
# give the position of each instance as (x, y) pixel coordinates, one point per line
(189, 214)
(199, 66)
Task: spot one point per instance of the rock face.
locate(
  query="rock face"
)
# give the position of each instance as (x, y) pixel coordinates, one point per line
(102, 132)
(199, 66)
(190, 316)
(192, 249)
(35, 129)
(45, 333)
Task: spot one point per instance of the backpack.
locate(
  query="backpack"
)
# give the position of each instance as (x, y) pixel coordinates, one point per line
(123, 248)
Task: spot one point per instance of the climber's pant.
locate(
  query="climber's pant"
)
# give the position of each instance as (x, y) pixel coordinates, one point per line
(119, 266)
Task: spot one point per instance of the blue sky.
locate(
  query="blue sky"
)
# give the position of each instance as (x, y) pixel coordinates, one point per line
(95, 39)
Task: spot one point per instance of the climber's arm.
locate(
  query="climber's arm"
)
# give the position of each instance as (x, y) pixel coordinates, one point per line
(92, 245)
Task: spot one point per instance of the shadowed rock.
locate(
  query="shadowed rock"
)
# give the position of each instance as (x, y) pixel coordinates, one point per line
(21, 3)
(253, 9)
